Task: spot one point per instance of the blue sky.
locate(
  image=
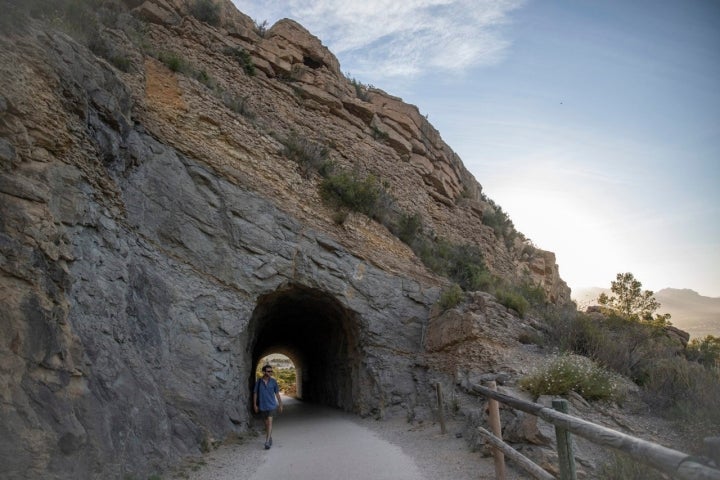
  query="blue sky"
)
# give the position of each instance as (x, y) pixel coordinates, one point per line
(594, 124)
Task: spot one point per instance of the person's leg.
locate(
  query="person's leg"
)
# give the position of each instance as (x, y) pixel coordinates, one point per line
(267, 417)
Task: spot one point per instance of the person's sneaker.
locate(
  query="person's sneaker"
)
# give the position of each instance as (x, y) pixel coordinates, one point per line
(267, 445)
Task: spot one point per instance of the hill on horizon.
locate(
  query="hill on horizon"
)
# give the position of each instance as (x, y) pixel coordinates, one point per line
(696, 314)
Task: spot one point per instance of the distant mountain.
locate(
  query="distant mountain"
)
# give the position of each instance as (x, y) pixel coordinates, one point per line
(690, 311)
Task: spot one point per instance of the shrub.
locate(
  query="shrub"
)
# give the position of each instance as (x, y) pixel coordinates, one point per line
(451, 297)
(206, 11)
(408, 227)
(622, 345)
(462, 263)
(673, 385)
(311, 156)
(378, 134)
(565, 373)
(498, 220)
(513, 300)
(203, 77)
(174, 62)
(243, 58)
(532, 337)
(340, 216)
(261, 28)
(705, 351)
(684, 390)
(362, 195)
(533, 293)
(361, 90)
(120, 62)
(237, 104)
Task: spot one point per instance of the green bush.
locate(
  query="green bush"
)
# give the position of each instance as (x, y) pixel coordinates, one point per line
(565, 373)
(451, 297)
(408, 227)
(513, 301)
(683, 390)
(625, 346)
(203, 77)
(242, 57)
(122, 63)
(378, 134)
(312, 157)
(705, 351)
(174, 62)
(462, 263)
(206, 11)
(671, 384)
(345, 189)
(533, 293)
(567, 330)
(498, 220)
(362, 91)
(466, 265)
(532, 337)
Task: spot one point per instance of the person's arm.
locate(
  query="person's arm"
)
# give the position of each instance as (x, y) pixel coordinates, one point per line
(277, 395)
(255, 405)
(280, 407)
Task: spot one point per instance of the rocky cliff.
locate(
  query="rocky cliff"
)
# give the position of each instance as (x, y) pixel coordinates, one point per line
(156, 242)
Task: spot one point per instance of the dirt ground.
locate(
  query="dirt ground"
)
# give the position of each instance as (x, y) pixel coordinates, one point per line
(333, 444)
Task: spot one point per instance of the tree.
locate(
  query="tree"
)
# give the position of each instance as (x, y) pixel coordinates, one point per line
(705, 351)
(630, 301)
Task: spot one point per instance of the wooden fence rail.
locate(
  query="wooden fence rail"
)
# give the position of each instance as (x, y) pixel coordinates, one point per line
(679, 465)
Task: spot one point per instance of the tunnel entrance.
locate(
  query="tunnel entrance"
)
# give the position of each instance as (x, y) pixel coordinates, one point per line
(317, 334)
(285, 372)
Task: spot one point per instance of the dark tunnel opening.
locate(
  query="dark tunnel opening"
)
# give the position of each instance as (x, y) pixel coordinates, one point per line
(318, 334)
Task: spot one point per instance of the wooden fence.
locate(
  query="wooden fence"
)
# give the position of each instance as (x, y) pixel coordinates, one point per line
(677, 464)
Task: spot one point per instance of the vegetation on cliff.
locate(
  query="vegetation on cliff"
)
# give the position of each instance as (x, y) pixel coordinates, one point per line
(678, 380)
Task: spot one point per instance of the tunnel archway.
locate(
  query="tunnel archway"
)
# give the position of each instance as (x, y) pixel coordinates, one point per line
(318, 334)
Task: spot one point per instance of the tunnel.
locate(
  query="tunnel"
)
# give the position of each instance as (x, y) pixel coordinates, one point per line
(318, 334)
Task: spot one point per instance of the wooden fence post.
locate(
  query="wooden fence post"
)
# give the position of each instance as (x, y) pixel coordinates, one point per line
(525, 463)
(564, 444)
(672, 462)
(441, 408)
(495, 427)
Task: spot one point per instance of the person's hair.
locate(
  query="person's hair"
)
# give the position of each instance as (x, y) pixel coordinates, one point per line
(266, 366)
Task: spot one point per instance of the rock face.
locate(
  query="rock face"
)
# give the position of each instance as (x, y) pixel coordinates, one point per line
(155, 243)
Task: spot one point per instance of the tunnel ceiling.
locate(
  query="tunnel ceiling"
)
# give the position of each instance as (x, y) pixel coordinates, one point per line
(317, 333)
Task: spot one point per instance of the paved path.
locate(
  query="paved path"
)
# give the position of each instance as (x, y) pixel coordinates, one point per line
(319, 443)
(311, 442)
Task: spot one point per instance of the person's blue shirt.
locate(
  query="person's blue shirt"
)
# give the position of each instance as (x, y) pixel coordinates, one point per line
(266, 394)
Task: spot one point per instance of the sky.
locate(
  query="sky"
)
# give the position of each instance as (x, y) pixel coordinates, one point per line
(595, 125)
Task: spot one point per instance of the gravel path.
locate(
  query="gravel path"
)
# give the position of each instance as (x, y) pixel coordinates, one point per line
(313, 442)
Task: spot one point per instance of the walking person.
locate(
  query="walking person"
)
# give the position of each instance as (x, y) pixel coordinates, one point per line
(266, 400)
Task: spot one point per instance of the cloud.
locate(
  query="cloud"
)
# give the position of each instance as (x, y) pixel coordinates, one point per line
(387, 38)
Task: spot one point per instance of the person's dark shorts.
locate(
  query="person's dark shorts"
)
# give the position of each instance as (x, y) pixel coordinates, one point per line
(267, 413)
